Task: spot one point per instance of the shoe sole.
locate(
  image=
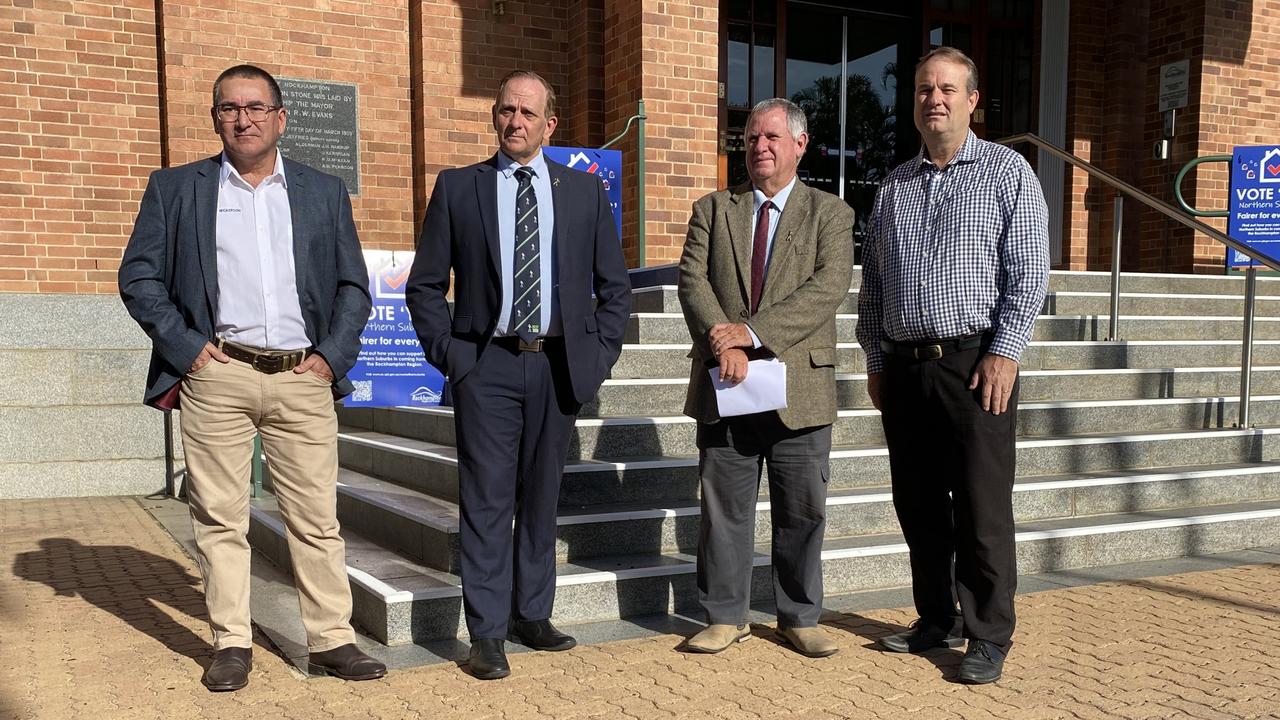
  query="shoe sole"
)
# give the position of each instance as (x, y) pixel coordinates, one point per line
(951, 642)
(971, 680)
(712, 651)
(322, 671)
(572, 643)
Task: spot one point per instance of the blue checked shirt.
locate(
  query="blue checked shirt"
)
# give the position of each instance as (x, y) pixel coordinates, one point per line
(955, 251)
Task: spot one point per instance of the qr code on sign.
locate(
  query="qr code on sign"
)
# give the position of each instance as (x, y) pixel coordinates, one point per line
(363, 392)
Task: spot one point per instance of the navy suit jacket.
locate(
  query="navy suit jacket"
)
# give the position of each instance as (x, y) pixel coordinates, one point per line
(460, 233)
(169, 274)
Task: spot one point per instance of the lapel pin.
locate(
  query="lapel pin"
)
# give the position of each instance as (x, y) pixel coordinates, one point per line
(555, 182)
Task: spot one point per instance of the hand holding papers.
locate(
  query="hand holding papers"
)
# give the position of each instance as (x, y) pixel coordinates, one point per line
(765, 388)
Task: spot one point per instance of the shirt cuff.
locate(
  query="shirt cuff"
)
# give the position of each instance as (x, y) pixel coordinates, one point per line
(755, 341)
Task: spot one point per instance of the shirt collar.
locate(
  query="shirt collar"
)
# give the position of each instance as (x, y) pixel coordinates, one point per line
(968, 152)
(228, 170)
(508, 167)
(779, 201)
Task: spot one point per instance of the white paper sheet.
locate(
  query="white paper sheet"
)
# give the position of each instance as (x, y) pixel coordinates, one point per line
(765, 388)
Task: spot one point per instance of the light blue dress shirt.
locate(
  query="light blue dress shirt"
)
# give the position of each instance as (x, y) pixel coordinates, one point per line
(775, 213)
(549, 314)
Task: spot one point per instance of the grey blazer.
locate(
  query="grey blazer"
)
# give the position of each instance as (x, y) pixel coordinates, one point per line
(169, 274)
(810, 269)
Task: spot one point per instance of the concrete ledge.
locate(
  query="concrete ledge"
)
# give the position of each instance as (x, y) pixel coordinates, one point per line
(72, 377)
(82, 432)
(81, 478)
(81, 322)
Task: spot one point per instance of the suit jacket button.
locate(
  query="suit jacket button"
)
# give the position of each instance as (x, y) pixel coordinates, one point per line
(744, 314)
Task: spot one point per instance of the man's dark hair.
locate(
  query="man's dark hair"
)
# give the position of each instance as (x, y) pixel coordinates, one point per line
(252, 72)
(550, 109)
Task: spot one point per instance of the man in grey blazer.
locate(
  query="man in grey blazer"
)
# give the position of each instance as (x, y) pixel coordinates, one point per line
(245, 271)
(765, 265)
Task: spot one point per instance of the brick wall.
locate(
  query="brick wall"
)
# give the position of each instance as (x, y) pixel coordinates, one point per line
(79, 132)
(365, 42)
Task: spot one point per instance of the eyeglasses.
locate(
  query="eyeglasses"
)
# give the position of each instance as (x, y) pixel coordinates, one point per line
(256, 112)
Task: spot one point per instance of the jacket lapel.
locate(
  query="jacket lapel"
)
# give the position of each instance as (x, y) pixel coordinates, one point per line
(795, 213)
(295, 180)
(487, 197)
(739, 213)
(206, 195)
(554, 172)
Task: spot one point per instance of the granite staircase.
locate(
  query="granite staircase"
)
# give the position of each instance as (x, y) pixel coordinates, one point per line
(1127, 451)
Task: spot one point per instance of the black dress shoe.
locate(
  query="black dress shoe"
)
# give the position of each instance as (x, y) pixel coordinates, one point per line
(345, 662)
(539, 635)
(920, 637)
(488, 659)
(229, 670)
(983, 662)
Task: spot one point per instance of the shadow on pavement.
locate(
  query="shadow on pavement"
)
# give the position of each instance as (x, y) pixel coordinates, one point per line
(947, 661)
(126, 582)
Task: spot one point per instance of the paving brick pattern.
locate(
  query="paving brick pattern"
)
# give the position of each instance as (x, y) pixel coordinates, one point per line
(101, 617)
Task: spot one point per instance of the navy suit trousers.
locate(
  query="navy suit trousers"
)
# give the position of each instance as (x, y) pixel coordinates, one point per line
(514, 414)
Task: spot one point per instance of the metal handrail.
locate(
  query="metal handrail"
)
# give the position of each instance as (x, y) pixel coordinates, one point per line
(1122, 189)
(1141, 196)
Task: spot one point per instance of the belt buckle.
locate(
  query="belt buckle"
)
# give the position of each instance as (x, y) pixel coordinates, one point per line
(264, 367)
(929, 352)
(535, 346)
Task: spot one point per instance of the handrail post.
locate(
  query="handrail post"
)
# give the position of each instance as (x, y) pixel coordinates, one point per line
(168, 455)
(640, 237)
(1117, 223)
(1246, 353)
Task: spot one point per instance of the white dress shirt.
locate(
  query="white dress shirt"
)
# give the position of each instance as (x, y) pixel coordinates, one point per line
(257, 285)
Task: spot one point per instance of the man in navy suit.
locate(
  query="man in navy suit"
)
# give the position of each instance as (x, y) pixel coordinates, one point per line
(541, 299)
(245, 271)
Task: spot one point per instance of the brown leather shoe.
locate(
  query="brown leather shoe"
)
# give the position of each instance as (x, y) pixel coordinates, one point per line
(717, 638)
(809, 641)
(229, 670)
(345, 662)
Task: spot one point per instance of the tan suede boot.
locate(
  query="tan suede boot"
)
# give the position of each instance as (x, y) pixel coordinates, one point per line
(810, 641)
(716, 638)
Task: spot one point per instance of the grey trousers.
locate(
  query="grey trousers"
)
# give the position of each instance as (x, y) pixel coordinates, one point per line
(731, 454)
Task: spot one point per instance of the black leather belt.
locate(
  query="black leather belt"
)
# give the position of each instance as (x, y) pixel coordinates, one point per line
(515, 344)
(932, 349)
(267, 362)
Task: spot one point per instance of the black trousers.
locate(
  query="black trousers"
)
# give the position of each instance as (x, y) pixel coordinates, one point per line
(731, 455)
(953, 465)
(513, 417)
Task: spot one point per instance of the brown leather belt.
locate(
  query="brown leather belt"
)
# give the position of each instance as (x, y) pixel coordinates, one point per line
(932, 349)
(267, 362)
(515, 344)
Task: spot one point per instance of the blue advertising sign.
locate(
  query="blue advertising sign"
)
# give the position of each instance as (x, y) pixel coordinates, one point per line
(604, 164)
(1255, 202)
(391, 370)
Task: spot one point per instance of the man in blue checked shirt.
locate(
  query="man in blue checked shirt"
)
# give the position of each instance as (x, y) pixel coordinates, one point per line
(955, 268)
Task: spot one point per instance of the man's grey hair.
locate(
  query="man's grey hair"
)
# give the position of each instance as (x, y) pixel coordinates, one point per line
(797, 124)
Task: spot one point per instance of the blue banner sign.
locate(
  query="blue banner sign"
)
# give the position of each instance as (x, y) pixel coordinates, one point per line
(604, 164)
(391, 370)
(1255, 203)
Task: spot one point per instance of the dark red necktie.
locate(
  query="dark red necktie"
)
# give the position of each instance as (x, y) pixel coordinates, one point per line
(759, 254)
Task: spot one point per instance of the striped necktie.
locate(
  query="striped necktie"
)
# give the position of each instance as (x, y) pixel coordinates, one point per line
(527, 279)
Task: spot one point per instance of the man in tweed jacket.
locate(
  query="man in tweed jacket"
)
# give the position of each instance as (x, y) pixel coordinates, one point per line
(764, 268)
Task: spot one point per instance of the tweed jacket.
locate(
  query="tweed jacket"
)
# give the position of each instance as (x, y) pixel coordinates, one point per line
(810, 269)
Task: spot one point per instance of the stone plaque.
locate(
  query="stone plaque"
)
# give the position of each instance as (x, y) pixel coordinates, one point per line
(323, 130)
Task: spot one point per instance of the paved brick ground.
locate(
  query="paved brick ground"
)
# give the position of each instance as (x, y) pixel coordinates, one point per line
(101, 617)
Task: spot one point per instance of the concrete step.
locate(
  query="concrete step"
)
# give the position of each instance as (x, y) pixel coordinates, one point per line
(432, 468)
(398, 600)
(664, 299)
(649, 328)
(665, 396)
(670, 360)
(629, 437)
(426, 529)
